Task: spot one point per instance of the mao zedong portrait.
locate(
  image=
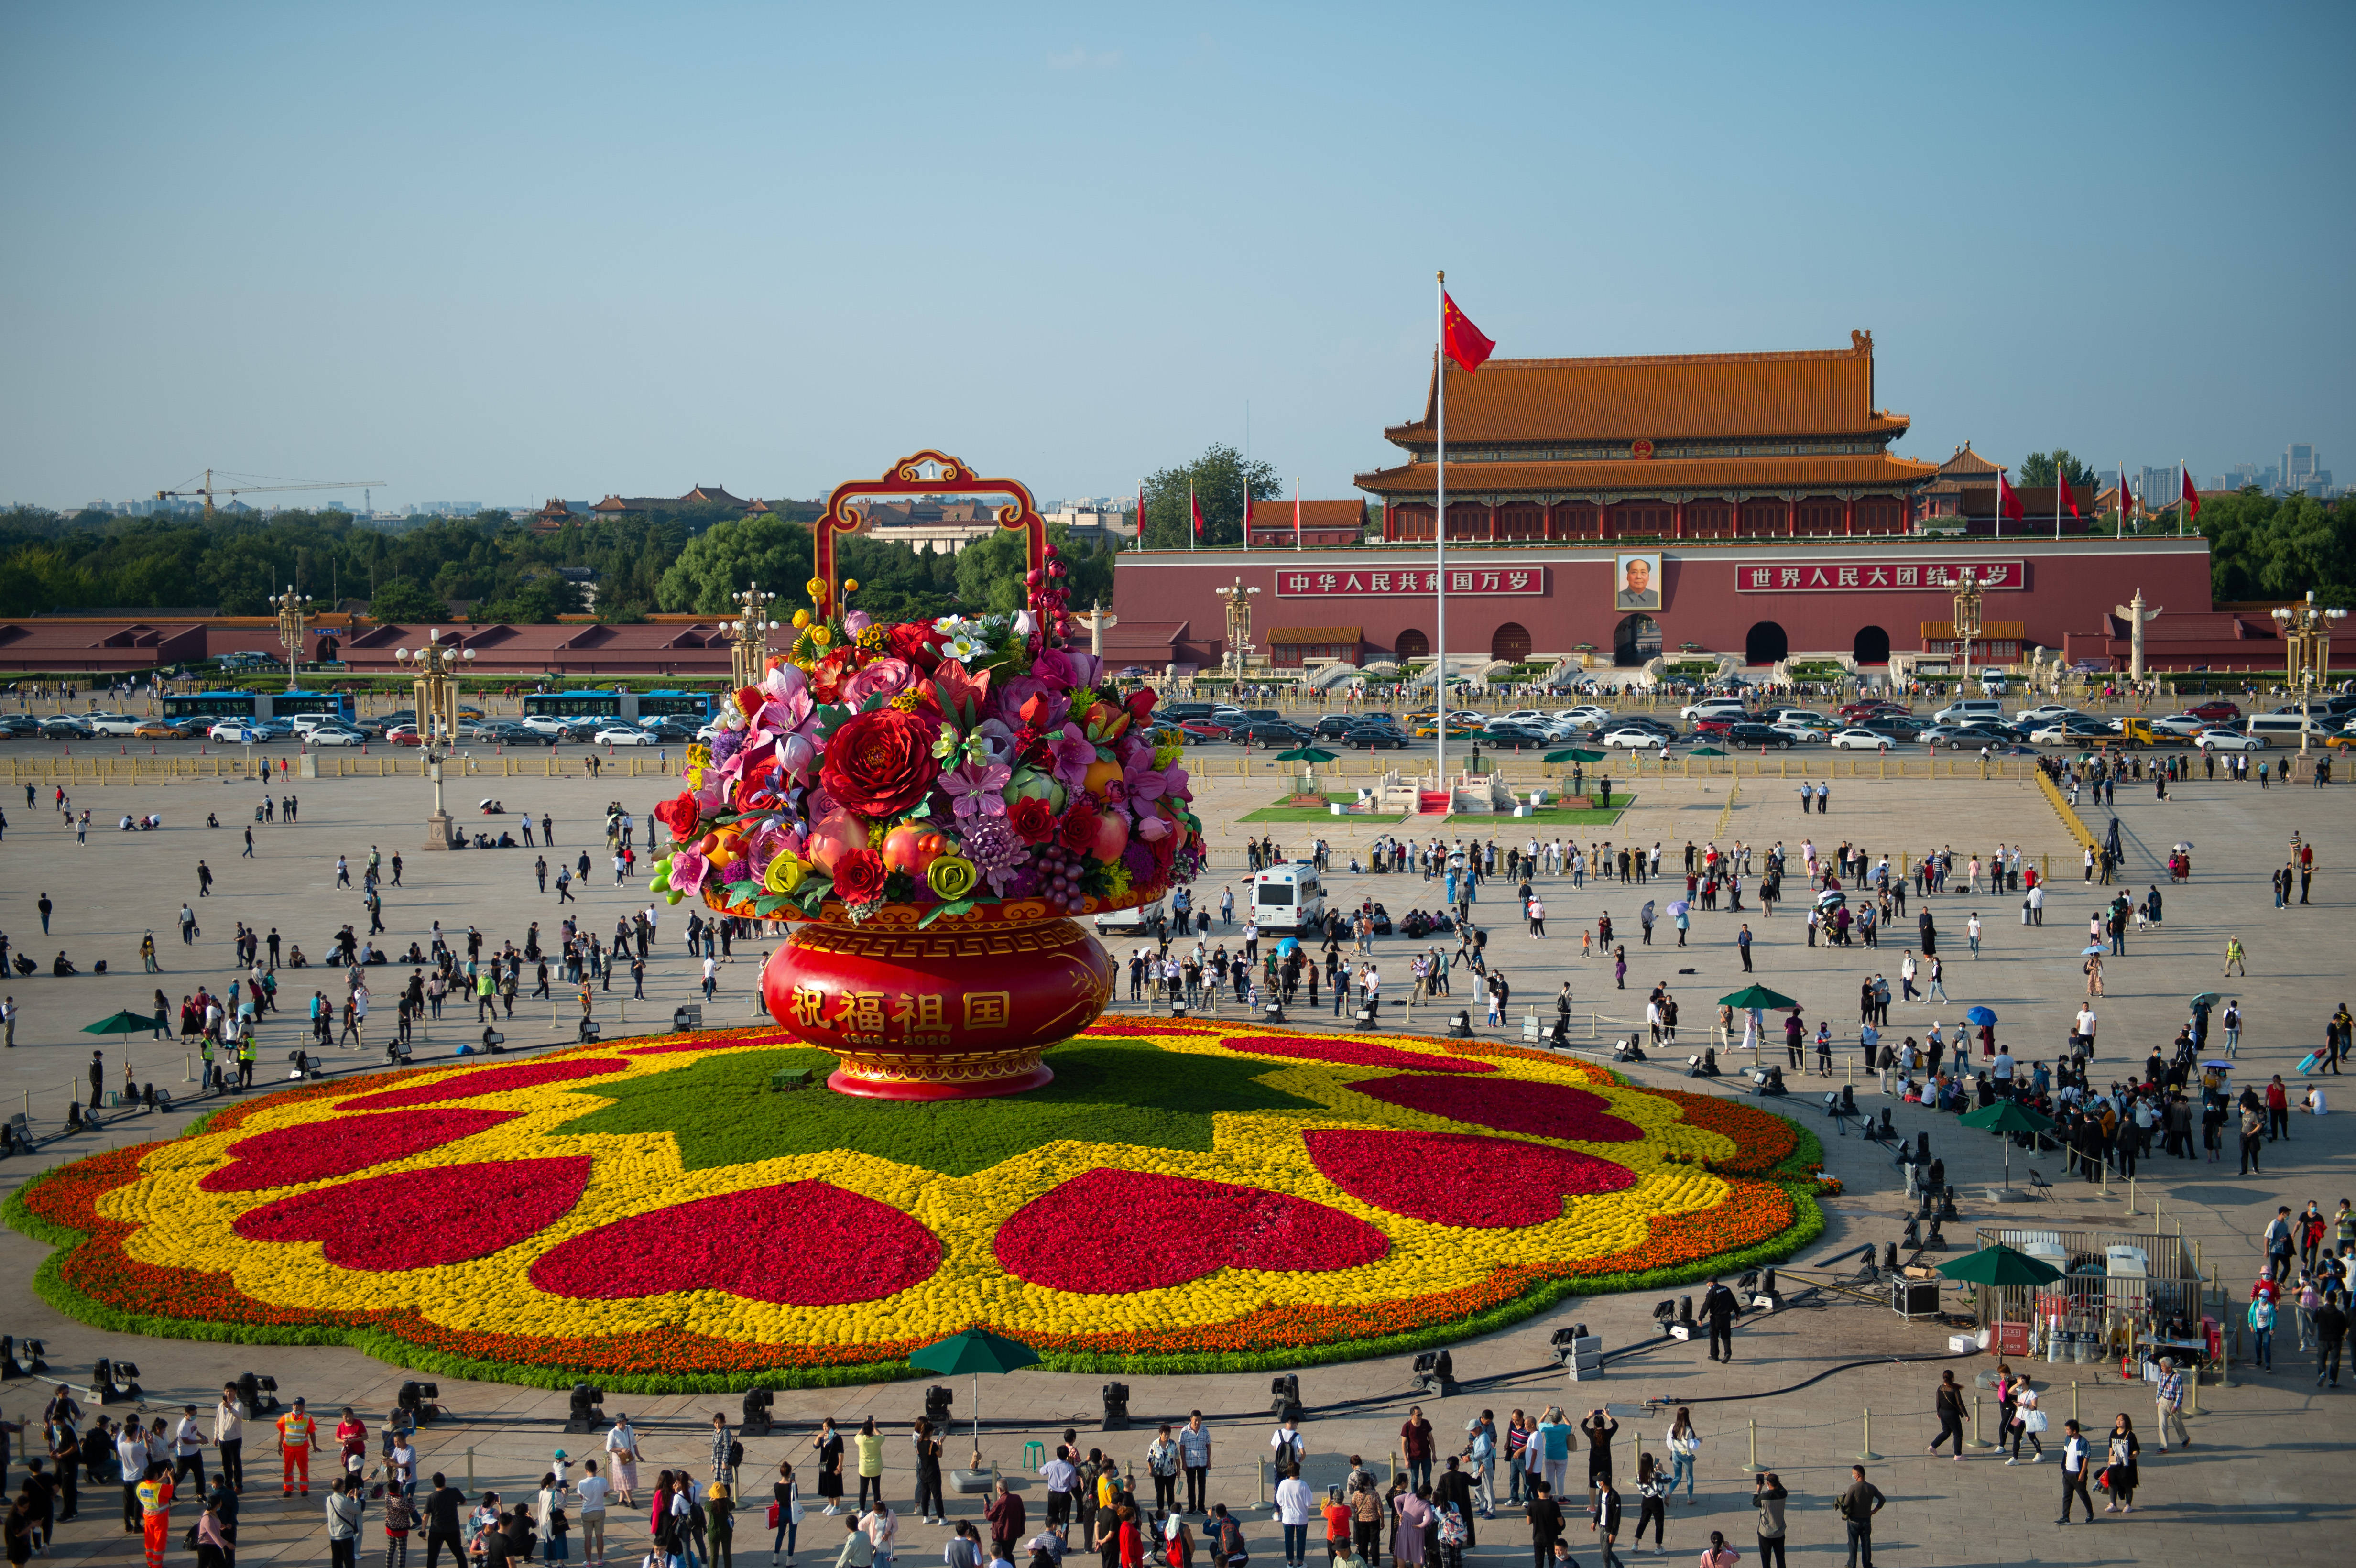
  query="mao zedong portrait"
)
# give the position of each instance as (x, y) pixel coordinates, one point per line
(1637, 590)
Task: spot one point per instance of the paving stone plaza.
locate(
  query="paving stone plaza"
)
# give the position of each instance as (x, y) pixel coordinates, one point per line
(1812, 1386)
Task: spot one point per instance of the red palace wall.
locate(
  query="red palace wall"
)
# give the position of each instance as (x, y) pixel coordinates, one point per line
(2069, 586)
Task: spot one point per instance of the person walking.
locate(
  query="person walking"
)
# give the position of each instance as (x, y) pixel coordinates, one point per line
(1685, 1451)
(2331, 1325)
(1604, 1517)
(2169, 1401)
(1720, 1307)
(2077, 1456)
(1947, 1401)
(1857, 1505)
(1652, 1500)
(2119, 1472)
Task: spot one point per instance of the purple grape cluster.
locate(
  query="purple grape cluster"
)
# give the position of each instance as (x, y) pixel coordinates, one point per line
(1059, 872)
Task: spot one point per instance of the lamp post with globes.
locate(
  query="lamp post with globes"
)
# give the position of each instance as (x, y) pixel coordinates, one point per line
(293, 622)
(1967, 618)
(2307, 645)
(748, 652)
(437, 664)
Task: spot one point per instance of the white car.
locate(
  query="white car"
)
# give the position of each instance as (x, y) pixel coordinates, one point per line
(336, 735)
(2045, 710)
(1715, 707)
(1531, 715)
(1805, 733)
(624, 735)
(1861, 740)
(235, 732)
(2179, 724)
(1635, 740)
(112, 723)
(548, 723)
(2230, 741)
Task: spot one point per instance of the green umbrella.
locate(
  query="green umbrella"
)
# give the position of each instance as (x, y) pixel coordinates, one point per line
(1758, 997)
(123, 1023)
(1304, 754)
(2001, 1265)
(1575, 754)
(977, 1350)
(2008, 1116)
(1706, 752)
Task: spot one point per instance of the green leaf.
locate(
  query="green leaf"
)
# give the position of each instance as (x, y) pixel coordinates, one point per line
(960, 907)
(771, 904)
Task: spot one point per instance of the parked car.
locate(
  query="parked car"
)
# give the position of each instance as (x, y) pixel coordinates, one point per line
(1806, 734)
(2224, 740)
(1639, 738)
(2216, 711)
(402, 735)
(112, 723)
(161, 730)
(1522, 735)
(624, 735)
(1860, 741)
(234, 732)
(1271, 732)
(66, 727)
(1748, 735)
(1333, 726)
(1376, 736)
(338, 735)
(20, 725)
(1204, 729)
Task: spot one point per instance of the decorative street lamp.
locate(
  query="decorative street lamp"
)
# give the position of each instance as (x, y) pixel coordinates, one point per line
(748, 652)
(1968, 617)
(2307, 645)
(294, 611)
(437, 664)
(1238, 600)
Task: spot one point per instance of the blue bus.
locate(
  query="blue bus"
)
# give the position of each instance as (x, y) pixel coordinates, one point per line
(211, 706)
(622, 707)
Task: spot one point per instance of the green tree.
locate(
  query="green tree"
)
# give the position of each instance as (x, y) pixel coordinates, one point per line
(404, 599)
(2037, 469)
(2262, 546)
(1217, 480)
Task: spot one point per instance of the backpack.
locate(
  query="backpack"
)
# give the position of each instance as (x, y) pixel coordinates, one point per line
(1452, 1527)
(735, 1454)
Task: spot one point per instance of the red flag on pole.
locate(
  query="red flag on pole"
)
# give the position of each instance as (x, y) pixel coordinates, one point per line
(2191, 496)
(1463, 340)
(2126, 496)
(1195, 510)
(2069, 492)
(2008, 499)
(1247, 514)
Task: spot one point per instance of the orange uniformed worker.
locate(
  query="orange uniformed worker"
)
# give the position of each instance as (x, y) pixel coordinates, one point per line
(298, 1439)
(156, 1511)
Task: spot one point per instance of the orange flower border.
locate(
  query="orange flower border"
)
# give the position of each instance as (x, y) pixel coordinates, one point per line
(1770, 1212)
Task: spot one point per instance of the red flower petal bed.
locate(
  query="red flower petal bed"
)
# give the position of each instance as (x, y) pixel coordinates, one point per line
(1350, 1053)
(422, 1219)
(1541, 1110)
(764, 1037)
(471, 1085)
(1427, 1176)
(290, 1155)
(1171, 1228)
(1763, 1140)
(870, 1250)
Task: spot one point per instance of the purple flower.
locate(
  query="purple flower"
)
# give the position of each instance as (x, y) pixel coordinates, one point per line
(974, 788)
(1074, 754)
(725, 745)
(1140, 861)
(1146, 783)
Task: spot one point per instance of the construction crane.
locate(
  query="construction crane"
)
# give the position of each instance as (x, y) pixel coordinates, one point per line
(208, 489)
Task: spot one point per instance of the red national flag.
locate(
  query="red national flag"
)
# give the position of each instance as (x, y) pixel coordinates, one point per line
(2126, 496)
(1246, 515)
(2008, 499)
(1463, 341)
(2191, 496)
(1140, 513)
(1195, 509)
(2069, 493)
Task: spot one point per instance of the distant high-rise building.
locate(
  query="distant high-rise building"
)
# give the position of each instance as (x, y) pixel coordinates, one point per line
(2297, 462)
(2157, 488)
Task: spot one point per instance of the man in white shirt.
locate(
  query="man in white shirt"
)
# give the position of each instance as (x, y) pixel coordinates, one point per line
(593, 1491)
(2087, 1021)
(188, 1450)
(1294, 1508)
(228, 1436)
(130, 1452)
(1289, 1443)
(2002, 1072)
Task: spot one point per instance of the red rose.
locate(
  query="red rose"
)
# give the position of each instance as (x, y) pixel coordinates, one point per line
(912, 640)
(1077, 832)
(881, 763)
(826, 676)
(679, 815)
(859, 876)
(1032, 821)
(1139, 705)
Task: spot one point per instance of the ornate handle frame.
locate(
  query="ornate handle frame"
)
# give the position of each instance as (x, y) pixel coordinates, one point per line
(951, 476)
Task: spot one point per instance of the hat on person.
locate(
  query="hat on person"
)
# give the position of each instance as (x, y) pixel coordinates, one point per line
(559, 1453)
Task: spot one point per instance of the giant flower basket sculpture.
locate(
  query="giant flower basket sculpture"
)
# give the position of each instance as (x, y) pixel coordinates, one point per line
(927, 804)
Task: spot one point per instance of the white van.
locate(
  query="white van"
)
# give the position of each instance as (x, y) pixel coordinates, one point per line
(1968, 710)
(1287, 898)
(2285, 726)
(1153, 917)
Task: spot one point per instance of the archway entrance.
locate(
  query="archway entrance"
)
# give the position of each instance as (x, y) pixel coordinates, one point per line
(1871, 646)
(1766, 644)
(1510, 643)
(1635, 642)
(1412, 644)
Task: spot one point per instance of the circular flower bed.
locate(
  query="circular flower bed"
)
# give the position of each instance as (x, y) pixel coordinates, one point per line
(1184, 1196)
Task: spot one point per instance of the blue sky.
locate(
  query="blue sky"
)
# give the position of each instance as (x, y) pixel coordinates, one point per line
(495, 253)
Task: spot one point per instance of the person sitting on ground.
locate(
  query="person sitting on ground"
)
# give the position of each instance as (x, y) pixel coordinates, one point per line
(64, 966)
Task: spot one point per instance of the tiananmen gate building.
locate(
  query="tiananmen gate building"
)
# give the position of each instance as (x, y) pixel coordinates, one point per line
(1744, 504)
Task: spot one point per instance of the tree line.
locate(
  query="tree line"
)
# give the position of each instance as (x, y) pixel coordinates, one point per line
(691, 559)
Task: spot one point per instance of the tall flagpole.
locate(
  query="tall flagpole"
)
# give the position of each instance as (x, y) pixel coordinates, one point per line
(1439, 538)
(2060, 479)
(1194, 534)
(1296, 511)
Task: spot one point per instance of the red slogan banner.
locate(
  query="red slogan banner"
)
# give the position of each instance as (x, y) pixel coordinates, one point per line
(1835, 577)
(1311, 585)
